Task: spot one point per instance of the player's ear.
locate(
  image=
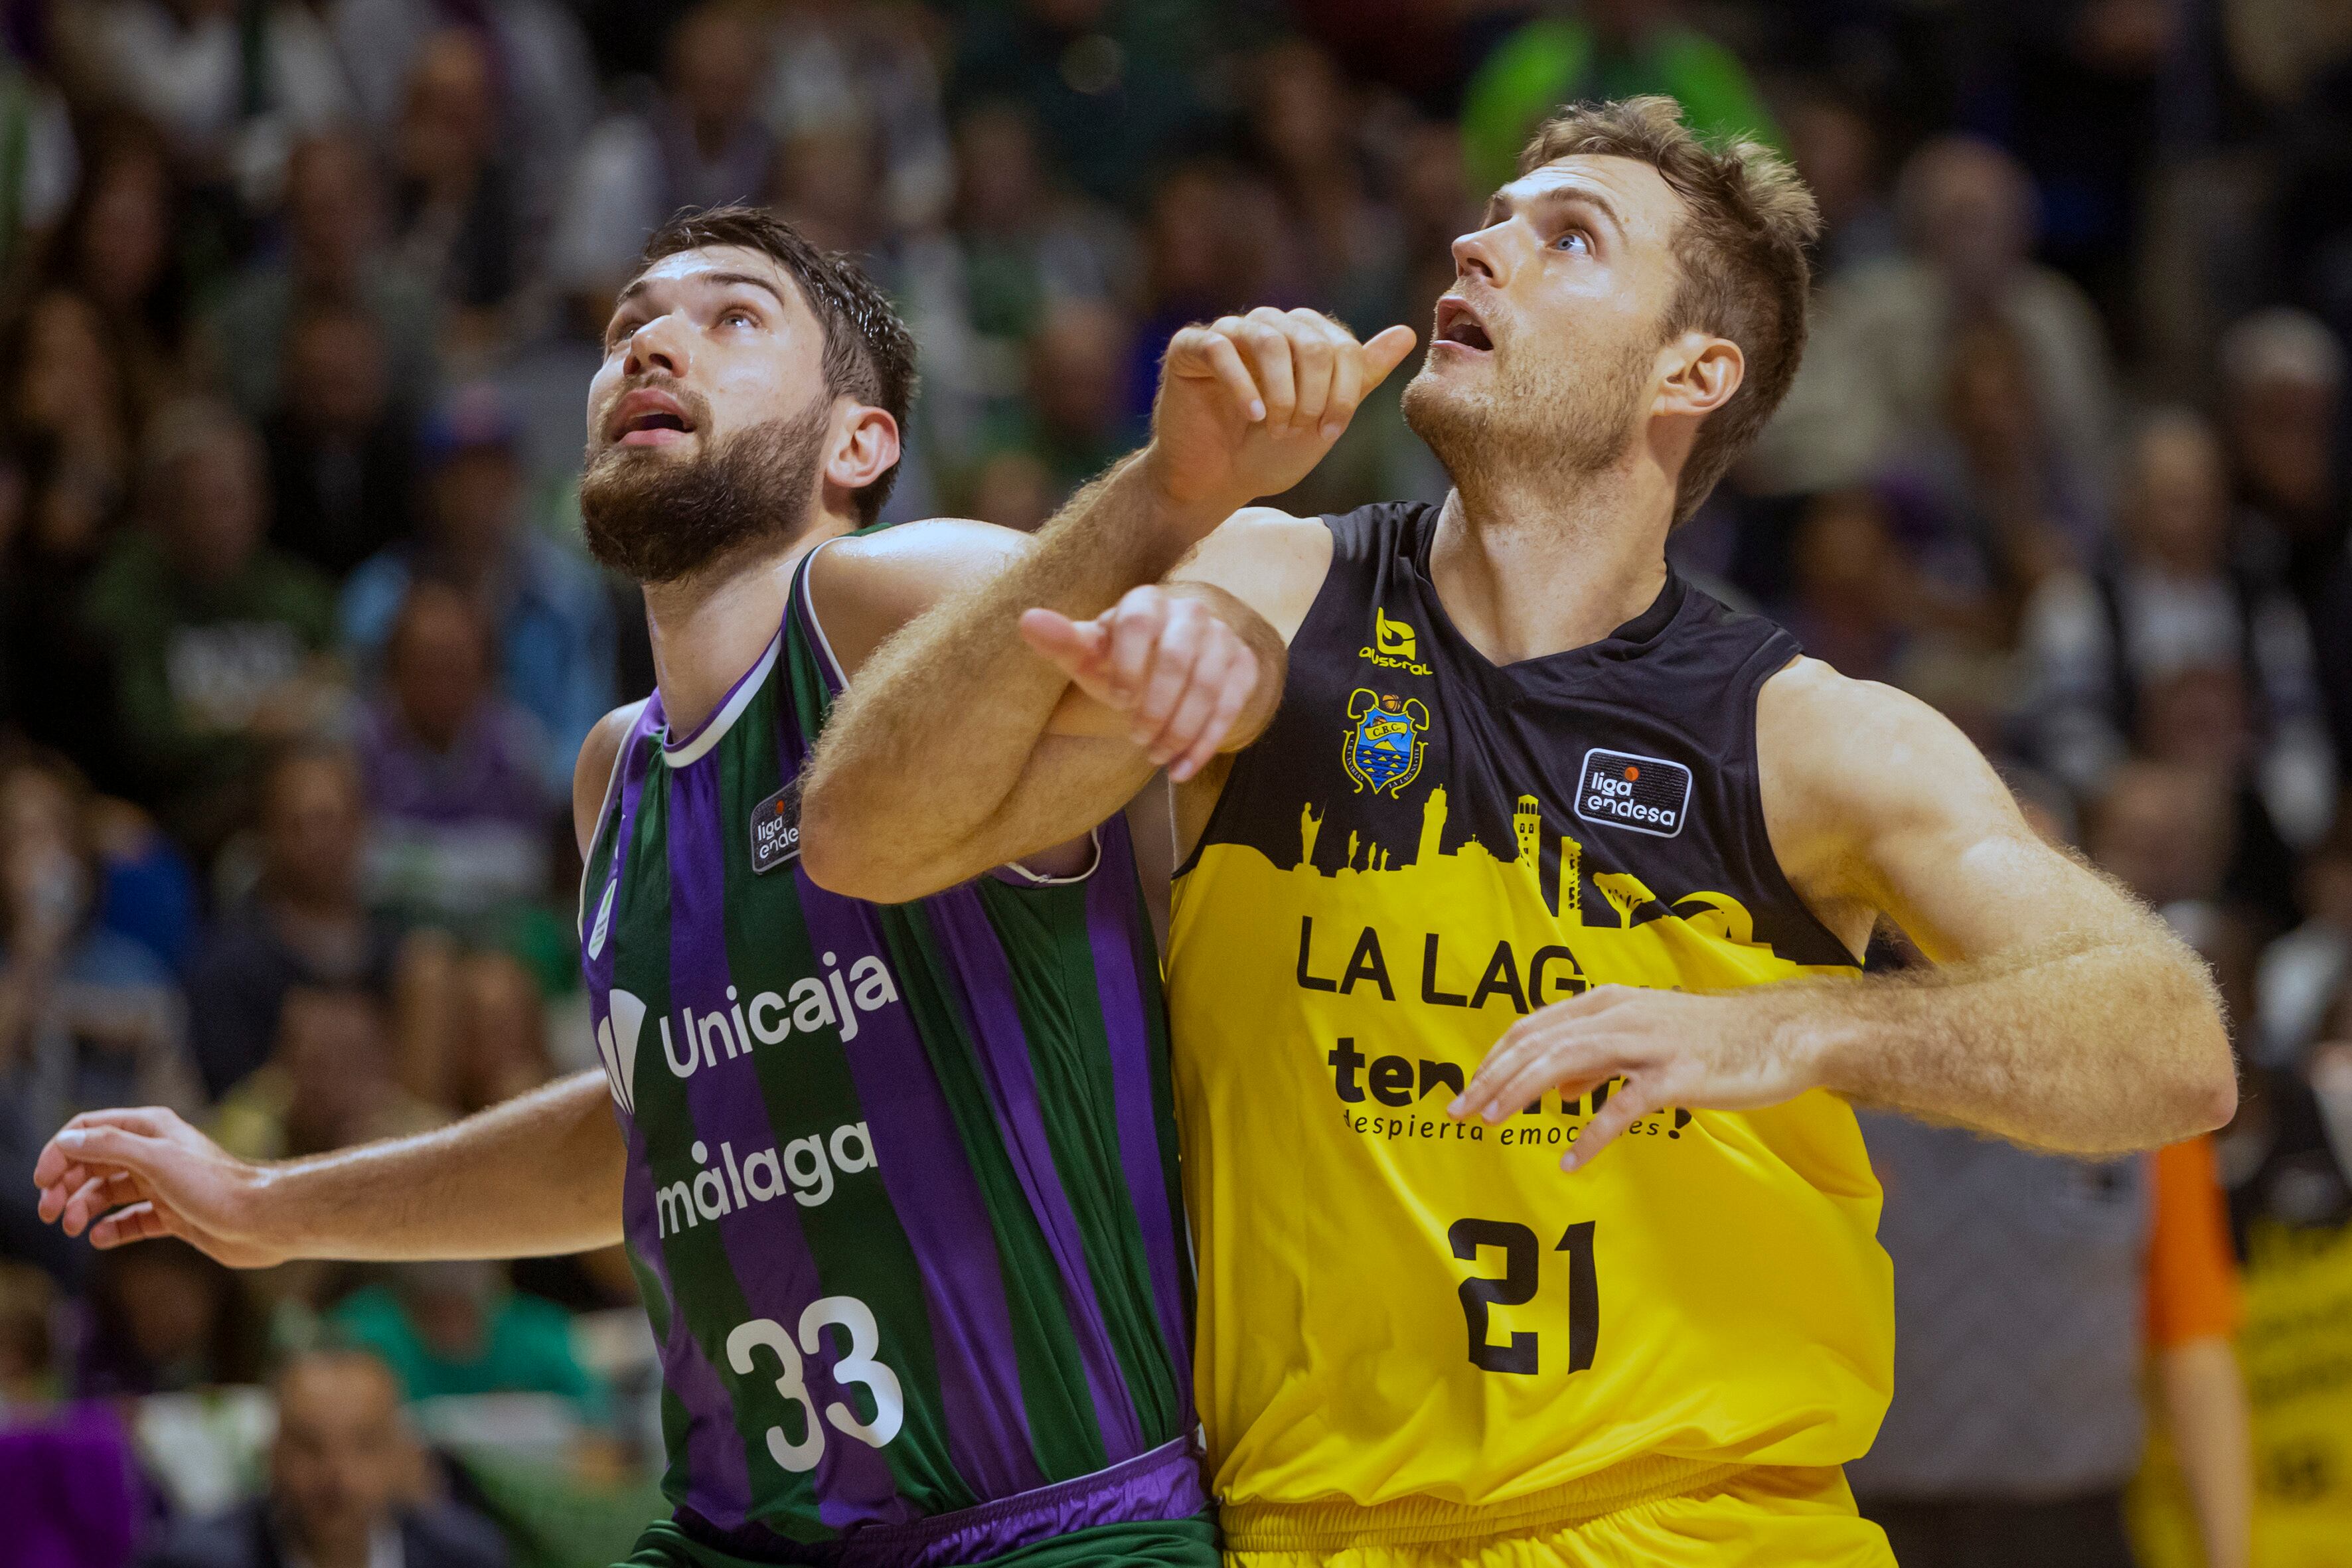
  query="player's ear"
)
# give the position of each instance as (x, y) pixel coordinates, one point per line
(864, 445)
(1703, 371)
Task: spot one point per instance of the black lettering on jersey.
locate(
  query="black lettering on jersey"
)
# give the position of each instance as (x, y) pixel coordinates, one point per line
(776, 829)
(1646, 794)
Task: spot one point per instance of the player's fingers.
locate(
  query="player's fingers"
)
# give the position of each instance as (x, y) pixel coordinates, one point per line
(1384, 353)
(1136, 623)
(1211, 352)
(104, 1190)
(1523, 1040)
(1184, 637)
(1075, 648)
(139, 1222)
(1193, 706)
(62, 1150)
(1314, 343)
(1267, 348)
(1348, 385)
(1625, 1107)
(1576, 1056)
(1233, 693)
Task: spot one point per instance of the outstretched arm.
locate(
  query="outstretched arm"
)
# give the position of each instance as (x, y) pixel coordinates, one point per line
(2061, 1013)
(536, 1176)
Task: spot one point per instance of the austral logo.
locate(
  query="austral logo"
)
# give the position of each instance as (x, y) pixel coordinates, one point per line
(1394, 645)
(1647, 795)
(776, 828)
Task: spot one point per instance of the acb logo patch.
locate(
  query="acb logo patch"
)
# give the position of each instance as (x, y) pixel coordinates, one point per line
(1383, 745)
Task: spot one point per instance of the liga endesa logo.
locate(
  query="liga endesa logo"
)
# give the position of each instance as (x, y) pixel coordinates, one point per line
(1647, 795)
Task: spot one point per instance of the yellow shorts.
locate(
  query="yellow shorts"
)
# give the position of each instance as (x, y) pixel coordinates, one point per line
(1759, 1517)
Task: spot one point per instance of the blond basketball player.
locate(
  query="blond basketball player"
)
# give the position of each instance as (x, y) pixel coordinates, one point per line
(1546, 860)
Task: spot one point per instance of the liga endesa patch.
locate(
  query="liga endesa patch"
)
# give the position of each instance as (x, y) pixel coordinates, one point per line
(776, 829)
(1648, 794)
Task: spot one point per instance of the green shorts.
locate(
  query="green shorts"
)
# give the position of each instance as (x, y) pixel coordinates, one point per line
(1164, 1544)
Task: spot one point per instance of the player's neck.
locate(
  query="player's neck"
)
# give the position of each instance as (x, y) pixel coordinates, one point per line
(707, 629)
(1525, 571)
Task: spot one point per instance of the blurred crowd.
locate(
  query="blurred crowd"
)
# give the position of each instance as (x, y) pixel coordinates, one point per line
(299, 300)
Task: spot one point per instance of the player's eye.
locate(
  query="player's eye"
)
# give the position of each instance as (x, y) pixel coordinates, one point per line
(736, 315)
(1576, 242)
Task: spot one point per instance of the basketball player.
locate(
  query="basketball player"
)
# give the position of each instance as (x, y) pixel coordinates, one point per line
(1547, 860)
(897, 1183)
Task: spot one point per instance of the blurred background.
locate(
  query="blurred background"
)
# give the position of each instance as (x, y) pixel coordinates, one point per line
(297, 641)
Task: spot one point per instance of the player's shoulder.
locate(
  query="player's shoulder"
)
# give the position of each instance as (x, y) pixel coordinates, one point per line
(591, 775)
(1836, 749)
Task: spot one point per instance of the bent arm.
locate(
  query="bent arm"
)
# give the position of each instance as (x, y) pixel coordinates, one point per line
(2063, 1013)
(2060, 1013)
(538, 1175)
(957, 747)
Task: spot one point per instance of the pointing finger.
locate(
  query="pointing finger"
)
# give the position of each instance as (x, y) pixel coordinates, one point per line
(1076, 647)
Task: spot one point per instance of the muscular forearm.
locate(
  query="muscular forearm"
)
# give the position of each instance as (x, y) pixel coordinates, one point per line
(947, 723)
(2086, 1047)
(2205, 1410)
(538, 1175)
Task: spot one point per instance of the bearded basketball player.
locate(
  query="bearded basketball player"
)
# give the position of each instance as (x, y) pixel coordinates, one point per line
(1547, 861)
(897, 1183)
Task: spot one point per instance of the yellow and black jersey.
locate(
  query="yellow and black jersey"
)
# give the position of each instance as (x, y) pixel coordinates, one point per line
(1398, 1309)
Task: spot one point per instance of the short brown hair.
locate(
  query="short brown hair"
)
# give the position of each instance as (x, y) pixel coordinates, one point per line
(1746, 275)
(868, 353)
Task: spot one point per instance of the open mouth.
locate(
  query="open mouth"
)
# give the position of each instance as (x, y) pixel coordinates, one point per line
(649, 418)
(1457, 325)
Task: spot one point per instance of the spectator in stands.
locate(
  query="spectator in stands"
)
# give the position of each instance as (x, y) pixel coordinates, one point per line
(842, 66)
(69, 426)
(335, 249)
(231, 88)
(1876, 369)
(165, 1318)
(2171, 602)
(304, 924)
(1596, 50)
(328, 1084)
(455, 776)
(1855, 597)
(1344, 248)
(2282, 391)
(456, 1328)
(543, 83)
(702, 143)
(1836, 149)
(88, 1017)
(120, 247)
(458, 216)
(1073, 419)
(344, 1486)
(550, 615)
(497, 1039)
(220, 642)
(1985, 504)
(340, 454)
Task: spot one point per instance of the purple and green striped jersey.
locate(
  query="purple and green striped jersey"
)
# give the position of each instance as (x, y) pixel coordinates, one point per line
(901, 1193)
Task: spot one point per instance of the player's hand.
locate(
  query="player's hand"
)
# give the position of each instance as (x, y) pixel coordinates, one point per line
(1249, 405)
(1181, 677)
(1671, 1048)
(134, 1175)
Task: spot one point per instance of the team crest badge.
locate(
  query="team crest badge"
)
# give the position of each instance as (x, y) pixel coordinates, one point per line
(1382, 751)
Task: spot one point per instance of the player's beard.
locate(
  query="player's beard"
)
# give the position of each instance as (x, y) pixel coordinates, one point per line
(657, 519)
(1537, 417)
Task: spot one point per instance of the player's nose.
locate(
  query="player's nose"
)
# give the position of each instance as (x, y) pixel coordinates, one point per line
(658, 344)
(1480, 254)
